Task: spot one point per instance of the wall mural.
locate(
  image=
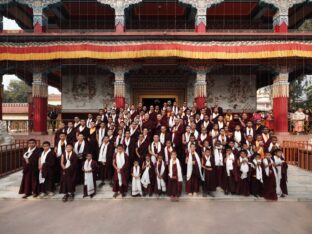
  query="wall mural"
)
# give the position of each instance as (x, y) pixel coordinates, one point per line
(86, 92)
(232, 92)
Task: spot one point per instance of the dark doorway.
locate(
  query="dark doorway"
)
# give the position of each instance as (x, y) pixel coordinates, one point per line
(156, 101)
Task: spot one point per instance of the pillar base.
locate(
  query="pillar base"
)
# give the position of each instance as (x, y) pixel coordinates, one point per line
(39, 28)
(120, 102)
(280, 112)
(200, 101)
(40, 110)
(283, 28)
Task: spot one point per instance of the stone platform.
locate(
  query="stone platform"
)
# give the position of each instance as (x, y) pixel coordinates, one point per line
(299, 187)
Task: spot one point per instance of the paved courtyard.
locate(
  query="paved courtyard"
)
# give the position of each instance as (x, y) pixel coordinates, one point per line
(154, 216)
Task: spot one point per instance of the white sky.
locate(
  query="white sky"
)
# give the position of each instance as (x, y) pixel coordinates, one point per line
(11, 25)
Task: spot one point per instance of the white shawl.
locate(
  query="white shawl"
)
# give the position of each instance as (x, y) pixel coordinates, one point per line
(218, 156)
(59, 148)
(229, 163)
(103, 153)
(158, 146)
(42, 160)
(190, 166)
(162, 138)
(120, 162)
(179, 170)
(167, 154)
(88, 177)
(258, 170)
(208, 163)
(29, 152)
(101, 134)
(244, 168)
(136, 183)
(67, 156)
(80, 151)
(161, 185)
(278, 164)
(145, 180)
(127, 143)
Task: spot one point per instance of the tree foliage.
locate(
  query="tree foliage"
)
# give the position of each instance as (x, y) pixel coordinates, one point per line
(16, 92)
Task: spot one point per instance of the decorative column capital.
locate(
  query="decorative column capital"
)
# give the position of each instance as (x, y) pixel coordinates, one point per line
(280, 86)
(39, 85)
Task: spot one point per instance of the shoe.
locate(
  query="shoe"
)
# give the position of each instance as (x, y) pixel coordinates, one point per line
(211, 195)
(226, 193)
(84, 196)
(124, 195)
(25, 196)
(150, 195)
(101, 184)
(283, 195)
(115, 195)
(65, 198)
(35, 195)
(92, 195)
(71, 197)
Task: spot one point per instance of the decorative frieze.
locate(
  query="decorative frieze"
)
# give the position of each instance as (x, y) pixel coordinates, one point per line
(39, 85)
(281, 86)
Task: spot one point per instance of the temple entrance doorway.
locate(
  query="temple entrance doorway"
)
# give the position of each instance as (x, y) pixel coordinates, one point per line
(155, 101)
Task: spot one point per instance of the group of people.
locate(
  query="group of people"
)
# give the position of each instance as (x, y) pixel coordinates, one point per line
(301, 121)
(155, 150)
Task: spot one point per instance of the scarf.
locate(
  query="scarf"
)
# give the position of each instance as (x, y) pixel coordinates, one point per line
(67, 156)
(145, 180)
(218, 156)
(127, 144)
(69, 130)
(120, 162)
(42, 160)
(258, 170)
(190, 166)
(187, 137)
(88, 177)
(265, 137)
(161, 185)
(162, 138)
(278, 164)
(118, 140)
(249, 132)
(208, 163)
(203, 137)
(271, 146)
(136, 183)
(59, 151)
(80, 151)
(229, 163)
(220, 124)
(81, 128)
(179, 170)
(29, 152)
(155, 149)
(244, 168)
(101, 134)
(167, 154)
(133, 130)
(103, 153)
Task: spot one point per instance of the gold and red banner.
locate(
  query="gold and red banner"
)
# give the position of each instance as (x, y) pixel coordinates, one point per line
(148, 49)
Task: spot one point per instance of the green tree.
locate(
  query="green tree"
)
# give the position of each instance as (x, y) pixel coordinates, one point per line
(295, 94)
(16, 92)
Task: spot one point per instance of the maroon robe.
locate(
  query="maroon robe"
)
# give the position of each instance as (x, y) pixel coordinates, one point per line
(152, 175)
(106, 171)
(230, 180)
(142, 150)
(124, 172)
(256, 185)
(269, 184)
(210, 175)
(30, 180)
(174, 185)
(48, 173)
(68, 177)
(243, 187)
(192, 185)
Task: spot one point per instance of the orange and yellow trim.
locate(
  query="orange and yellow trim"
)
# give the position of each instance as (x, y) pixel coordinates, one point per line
(147, 49)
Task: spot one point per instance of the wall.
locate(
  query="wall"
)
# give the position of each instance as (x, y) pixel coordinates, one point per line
(86, 93)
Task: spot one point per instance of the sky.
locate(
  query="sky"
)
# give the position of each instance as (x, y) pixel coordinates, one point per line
(11, 25)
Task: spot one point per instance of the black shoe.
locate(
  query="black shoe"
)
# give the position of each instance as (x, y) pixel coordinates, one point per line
(115, 195)
(84, 196)
(283, 195)
(65, 198)
(226, 193)
(150, 195)
(92, 195)
(101, 184)
(25, 196)
(71, 197)
(124, 195)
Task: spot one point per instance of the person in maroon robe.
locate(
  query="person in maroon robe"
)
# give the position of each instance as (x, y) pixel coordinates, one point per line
(93, 145)
(60, 130)
(141, 149)
(208, 165)
(244, 178)
(59, 150)
(161, 175)
(120, 164)
(219, 163)
(46, 166)
(230, 176)
(256, 176)
(69, 164)
(175, 179)
(82, 129)
(80, 149)
(148, 176)
(71, 133)
(90, 170)
(281, 171)
(269, 181)
(148, 124)
(193, 172)
(129, 147)
(105, 160)
(30, 180)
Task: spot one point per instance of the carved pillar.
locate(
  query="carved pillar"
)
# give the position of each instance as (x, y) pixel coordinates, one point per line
(280, 23)
(280, 100)
(40, 102)
(40, 23)
(119, 86)
(120, 23)
(200, 23)
(1, 97)
(200, 88)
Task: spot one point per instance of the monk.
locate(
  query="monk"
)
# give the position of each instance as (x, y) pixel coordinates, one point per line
(193, 172)
(269, 185)
(89, 169)
(256, 176)
(175, 177)
(230, 172)
(161, 177)
(244, 179)
(281, 172)
(30, 180)
(136, 180)
(120, 164)
(46, 166)
(106, 154)
(80, 149)
(148, 176)
(219, 168)
(208, 165)
(59, 150)
(69, 164)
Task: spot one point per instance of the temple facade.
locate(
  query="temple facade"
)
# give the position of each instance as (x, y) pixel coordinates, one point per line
(101, 52)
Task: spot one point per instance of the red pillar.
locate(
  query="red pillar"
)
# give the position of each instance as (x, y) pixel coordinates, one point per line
(280, 112)
(39, 22)
(120, 23)
(280, 24)
(200, 24)
(280, 101)
(200, 101)
(40, 109)
(1, 98)
(120, 102)
(39, 103)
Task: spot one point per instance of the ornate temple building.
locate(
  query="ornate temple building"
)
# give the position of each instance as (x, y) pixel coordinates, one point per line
(127, 51)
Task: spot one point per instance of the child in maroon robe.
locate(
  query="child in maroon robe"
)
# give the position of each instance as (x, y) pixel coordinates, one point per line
(46, 165)
(89, 169)
(175, 177)
(230, 172)
(148, 176)
(269, 185)
(193, 172)
(30, 180)
(281, 172)
(161, 177)
(208, 164)
(243, 185)
(120, 164)
(69, 163)
(256, 176)
(106, 154)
